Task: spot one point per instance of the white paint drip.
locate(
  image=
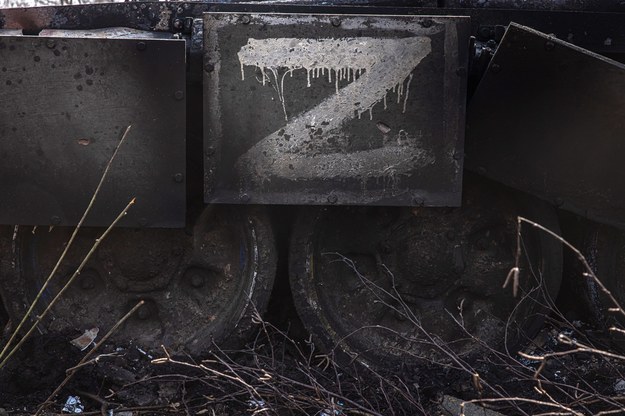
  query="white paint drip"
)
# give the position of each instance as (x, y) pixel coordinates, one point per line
(374, 67)
(349, 59)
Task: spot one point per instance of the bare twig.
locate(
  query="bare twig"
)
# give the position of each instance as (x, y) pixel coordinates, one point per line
(69, 282)
(64, 253)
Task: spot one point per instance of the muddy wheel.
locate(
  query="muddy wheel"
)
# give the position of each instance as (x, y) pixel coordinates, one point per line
(200, 285)
(395, 286)
(604, 249)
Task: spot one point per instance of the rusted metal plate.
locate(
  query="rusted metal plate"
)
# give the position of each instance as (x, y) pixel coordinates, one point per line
(548, 118)
(320, 109)
(64, 103)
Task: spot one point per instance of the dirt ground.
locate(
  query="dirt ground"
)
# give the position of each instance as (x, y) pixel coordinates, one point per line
(278, 372)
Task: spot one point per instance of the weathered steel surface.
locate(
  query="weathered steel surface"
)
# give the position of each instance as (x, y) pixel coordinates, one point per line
(607, 34)
(548, 118)
(334, 109)
(64, 103)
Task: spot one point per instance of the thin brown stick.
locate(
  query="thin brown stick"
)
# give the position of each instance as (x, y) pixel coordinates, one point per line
(87, 355)
(589, 271)
(69, 282)
(65, 250)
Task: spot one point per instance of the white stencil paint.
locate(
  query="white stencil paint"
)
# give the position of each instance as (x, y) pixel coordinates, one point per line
(376, 68)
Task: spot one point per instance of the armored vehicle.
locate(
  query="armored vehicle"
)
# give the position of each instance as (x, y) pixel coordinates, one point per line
(384, 149)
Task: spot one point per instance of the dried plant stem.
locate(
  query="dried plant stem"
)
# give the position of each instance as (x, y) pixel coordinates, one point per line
(67, 247)
(69, 282)
(589, 271)
(556, 405)
(73, 371)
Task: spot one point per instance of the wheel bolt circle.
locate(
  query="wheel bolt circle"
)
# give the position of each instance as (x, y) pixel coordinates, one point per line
(88, 280)
(197, 280)
(195, 277)
(143, 313)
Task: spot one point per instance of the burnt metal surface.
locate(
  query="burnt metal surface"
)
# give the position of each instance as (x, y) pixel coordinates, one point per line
(64, 103)
(606, 34)
(375, 281)
(548, 118)
(328, 109)
(202, 284)
(594, 5)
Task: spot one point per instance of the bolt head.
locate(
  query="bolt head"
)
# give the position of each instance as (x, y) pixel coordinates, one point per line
(335, 21)
(246, 19)
(142, 46)
(87, 281)
(179, 95)
(333, 199)
(485, 32)
(197, 280)
(549, 45)
(51, 43)
(178, 177)
(144, 312)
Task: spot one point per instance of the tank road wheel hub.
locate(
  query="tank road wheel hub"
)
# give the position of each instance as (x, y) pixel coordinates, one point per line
(198, 286)
(387, 285)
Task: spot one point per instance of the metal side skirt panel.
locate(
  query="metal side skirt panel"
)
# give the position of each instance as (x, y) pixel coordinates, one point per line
(64, 103)
(320, 109)
(548, 118)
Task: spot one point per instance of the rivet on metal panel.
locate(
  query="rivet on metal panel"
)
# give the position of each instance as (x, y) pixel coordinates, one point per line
(51, 43)
(332, 199)
(549, 45)
(246, 19)
(208, 67)
(178, 177)
(179, 95)
(336, 22)
(495, 68)
(141, 46)
(426, 23)
(178, 24)
(55, 220)
(244, 198)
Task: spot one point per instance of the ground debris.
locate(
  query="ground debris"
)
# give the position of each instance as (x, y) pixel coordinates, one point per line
(73, 405)
(452, 406)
